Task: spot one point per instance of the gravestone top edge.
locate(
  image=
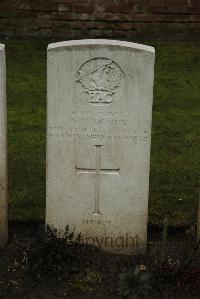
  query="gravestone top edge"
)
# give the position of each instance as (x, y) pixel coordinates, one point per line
(2, 47)
(100, 42)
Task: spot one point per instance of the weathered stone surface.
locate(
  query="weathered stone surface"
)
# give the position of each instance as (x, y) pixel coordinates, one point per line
(100, 96)
(3, 150)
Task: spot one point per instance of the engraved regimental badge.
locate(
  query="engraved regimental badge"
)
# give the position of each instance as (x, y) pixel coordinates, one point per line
(98, 80)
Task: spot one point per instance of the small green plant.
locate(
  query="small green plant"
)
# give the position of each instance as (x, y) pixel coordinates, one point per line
(134, 282)
(89, 282)
(50, 255)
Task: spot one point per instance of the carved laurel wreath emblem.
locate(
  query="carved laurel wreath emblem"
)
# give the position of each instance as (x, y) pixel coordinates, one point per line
(99, 79)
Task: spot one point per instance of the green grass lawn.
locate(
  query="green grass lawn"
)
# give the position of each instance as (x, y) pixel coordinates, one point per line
(175, 155)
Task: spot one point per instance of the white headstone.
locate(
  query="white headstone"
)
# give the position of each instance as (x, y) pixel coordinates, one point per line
(100, 96)
(3, 150)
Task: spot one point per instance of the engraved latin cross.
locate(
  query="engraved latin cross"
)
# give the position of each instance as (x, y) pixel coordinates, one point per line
(97, 171)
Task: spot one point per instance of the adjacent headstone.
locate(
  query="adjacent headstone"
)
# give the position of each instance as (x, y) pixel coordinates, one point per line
(3, 150)
(100, 96)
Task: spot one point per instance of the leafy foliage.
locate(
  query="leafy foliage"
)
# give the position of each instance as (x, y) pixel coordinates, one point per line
(135, 282)
(86, 283)
(51, 255)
